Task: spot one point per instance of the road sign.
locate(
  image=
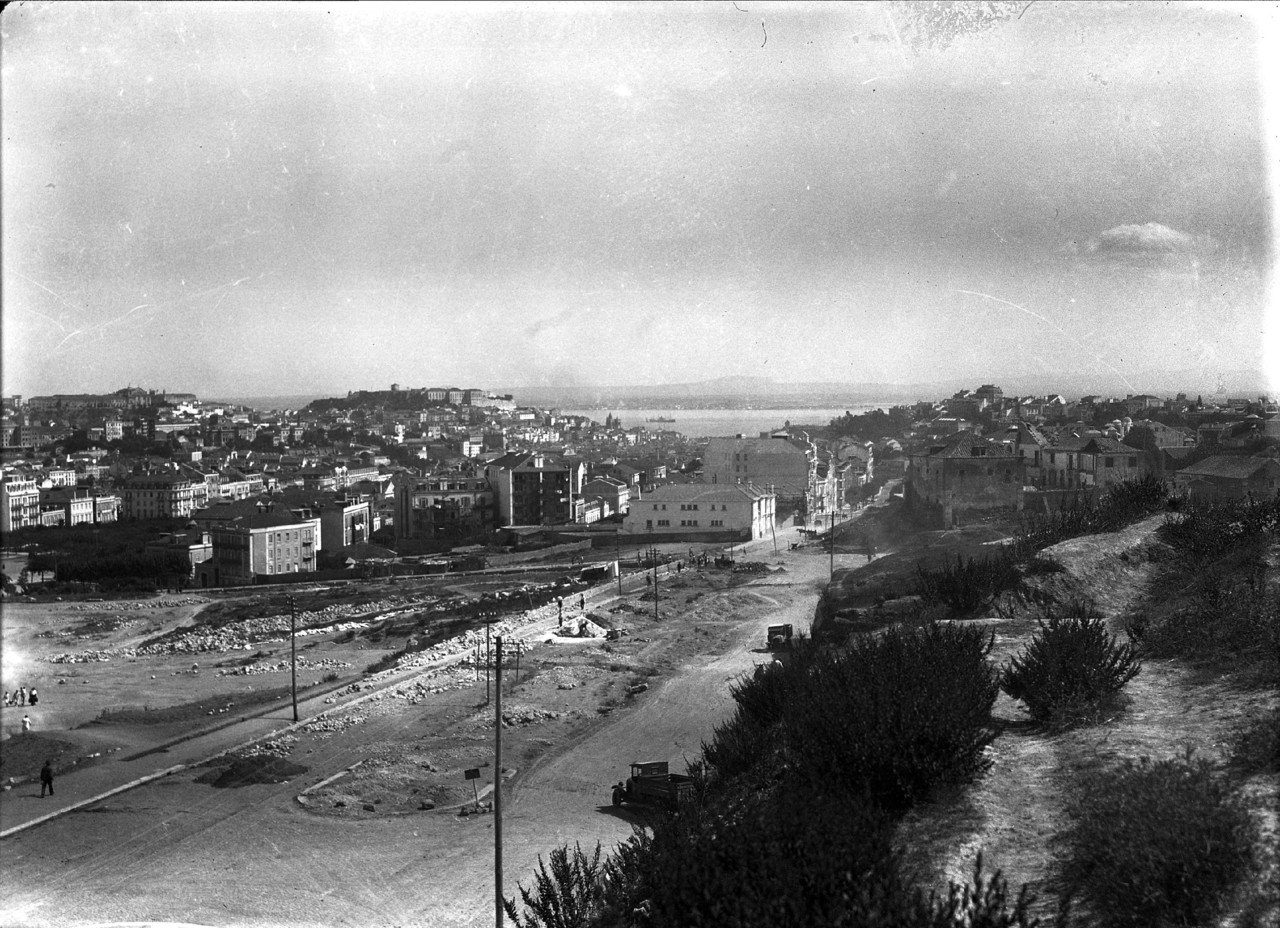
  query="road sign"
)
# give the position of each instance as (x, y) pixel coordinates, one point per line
(472, 774)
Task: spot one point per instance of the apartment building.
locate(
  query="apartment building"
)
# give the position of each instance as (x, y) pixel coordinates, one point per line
(534, 489)
(158, 496)
(19, 502)
(443, 506)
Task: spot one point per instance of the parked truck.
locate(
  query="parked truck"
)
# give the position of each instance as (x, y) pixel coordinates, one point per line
(651, 783)
(778, 638)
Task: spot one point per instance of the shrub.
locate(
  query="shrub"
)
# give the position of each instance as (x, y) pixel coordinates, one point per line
(566, 896)
(1255, 746)
(1071, 666)
(759, 860)
(1157, 842)
(966, 586)
(895, 714)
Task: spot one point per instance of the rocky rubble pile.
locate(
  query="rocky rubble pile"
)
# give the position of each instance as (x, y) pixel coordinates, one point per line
(327, 663)
(135, 606)
(527, 715)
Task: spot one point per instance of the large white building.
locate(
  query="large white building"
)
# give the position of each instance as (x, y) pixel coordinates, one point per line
(19, 502)
(739, 512)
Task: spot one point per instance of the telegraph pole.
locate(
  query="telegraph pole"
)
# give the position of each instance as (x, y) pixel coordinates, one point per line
(293, 654)
(655, 583)
(617, 551)
(832, 541)
(497, 794)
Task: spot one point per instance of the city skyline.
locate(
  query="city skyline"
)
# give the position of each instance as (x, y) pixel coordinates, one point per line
(263, 199)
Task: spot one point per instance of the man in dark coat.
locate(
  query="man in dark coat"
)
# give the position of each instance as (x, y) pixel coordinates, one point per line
(46, 779)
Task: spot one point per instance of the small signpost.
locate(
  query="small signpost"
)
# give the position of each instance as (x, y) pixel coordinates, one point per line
(473, 774)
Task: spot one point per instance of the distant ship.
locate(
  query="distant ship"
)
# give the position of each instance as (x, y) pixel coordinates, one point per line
(660, 419)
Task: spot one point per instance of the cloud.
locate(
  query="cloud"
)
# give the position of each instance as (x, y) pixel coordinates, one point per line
(1148, 242)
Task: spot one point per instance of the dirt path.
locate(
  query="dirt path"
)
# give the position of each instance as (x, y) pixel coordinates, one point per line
(1013, 814)
(177, 851)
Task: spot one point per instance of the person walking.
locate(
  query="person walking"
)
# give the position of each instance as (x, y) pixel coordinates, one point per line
(6, 697)
(33, 698)
(26, 724)
(22, 695)
(46, 778)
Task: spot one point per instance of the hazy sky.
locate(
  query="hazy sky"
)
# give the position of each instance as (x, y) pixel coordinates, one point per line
(258, 198)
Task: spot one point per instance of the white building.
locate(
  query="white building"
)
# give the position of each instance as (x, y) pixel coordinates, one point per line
(738, 511)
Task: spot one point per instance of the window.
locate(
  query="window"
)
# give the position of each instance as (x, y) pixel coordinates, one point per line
(664, 522)
(1133, 462)
(1110, 462)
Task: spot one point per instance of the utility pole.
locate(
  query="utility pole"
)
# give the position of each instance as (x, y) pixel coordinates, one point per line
(497, 795)
(832, 542)
(293, 653)
(488, 656)
(655, 584)
(617, 551)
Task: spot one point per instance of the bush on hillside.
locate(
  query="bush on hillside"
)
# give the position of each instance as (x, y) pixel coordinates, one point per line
(1157, 843)
(966, 585)
(1072, 666)
(1255, 745)
(760, 860)
(894, 715)
(567, 895)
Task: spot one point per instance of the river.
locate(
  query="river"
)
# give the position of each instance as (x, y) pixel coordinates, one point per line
(715, 423)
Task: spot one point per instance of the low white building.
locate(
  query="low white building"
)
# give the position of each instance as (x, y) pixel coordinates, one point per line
(700, 510)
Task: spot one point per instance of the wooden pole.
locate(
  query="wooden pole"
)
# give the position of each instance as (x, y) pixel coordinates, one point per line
(617, 551)
(293, 654)
(497, 792)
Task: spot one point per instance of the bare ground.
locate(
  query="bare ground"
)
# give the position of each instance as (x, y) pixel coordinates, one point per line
(1013, 815)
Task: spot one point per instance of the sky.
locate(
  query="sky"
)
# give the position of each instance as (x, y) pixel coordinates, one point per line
(259, 198)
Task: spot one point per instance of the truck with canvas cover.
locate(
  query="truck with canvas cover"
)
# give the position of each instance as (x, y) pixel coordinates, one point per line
(651, 783)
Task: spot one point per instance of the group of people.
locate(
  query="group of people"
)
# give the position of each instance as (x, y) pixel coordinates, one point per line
(21, 697)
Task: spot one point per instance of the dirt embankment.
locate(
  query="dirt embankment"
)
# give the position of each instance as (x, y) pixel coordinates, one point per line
(1014, 814)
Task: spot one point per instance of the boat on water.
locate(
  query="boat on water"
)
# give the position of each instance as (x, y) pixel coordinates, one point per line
(660, 419)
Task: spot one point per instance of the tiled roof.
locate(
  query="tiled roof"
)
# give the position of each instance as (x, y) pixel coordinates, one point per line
(703, 492)
(1228, 466)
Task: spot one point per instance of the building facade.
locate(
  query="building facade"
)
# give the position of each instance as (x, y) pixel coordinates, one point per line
(739, 512)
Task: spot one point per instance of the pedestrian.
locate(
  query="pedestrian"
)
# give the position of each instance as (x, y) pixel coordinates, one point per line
(33, 698)
(6, 697)
(22, 695)
(26, 724)
(582, 602)
(46, 779)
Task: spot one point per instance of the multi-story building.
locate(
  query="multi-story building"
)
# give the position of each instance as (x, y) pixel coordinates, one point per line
(158, 496)
(786, 465)
(613, 494)
(258, 539)
(534, 489)
(1090, 461)
(19, 502)
(967, 473)
(443, 506)
(77, 506)
(344, 521)
(739, 512)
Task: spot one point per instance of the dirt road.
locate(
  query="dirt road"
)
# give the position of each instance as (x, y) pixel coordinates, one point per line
(180, 851)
